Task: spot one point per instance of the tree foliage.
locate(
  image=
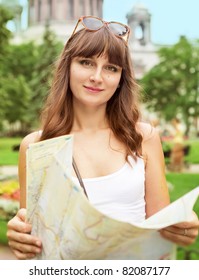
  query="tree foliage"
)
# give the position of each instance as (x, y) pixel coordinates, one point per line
(5, 34)
(172, 87)
(25, 74)
(44, 68)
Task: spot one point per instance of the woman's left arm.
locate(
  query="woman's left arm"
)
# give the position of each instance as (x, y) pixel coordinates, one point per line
(157, 195)
(156, 189)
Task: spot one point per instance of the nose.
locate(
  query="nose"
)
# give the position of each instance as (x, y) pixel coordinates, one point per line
(96, 75)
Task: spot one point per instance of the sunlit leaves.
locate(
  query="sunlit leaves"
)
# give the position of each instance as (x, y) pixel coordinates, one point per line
(172, 86)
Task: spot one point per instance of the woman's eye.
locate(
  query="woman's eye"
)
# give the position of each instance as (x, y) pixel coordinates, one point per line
(86, 62)
(112, 68)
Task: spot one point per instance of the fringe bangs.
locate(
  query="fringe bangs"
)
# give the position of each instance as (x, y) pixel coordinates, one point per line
(99, 43)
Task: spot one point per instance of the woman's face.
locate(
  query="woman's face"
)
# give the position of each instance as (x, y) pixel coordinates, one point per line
(93, 80)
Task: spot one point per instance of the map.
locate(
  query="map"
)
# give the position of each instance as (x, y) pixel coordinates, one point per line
(71, 228)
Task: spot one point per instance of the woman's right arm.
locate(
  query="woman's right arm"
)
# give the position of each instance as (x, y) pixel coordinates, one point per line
(23, 244)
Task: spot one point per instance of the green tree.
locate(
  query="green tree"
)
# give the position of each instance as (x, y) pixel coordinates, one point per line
(43, 71)
(15, 91)
(25, 72)
(172, 87)
(18, 71)
(5, 34)
(21, 60)
(17, 101)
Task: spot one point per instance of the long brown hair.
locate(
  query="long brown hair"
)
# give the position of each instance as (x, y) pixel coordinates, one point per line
(122, 109)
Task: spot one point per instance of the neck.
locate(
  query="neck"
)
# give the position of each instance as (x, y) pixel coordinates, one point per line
(89, 119)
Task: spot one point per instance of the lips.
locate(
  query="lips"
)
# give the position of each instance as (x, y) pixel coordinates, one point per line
(93, 89)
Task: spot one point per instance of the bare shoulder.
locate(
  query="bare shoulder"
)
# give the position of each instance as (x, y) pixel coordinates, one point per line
(30, 139)
(147, 131)
(151, 144)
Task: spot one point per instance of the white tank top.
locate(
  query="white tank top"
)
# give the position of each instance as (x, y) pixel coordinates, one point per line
(120, 195)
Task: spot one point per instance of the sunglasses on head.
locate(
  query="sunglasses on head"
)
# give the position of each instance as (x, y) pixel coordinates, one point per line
(92, 23)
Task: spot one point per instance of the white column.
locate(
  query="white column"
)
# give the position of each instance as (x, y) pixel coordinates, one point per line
(100, 8)
(54, 9)
(95, 12)
(87, 8)
(76, 9)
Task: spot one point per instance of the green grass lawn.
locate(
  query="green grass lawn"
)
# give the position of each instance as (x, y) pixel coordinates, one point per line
(7, 155)
(193, 156)
(3, 230)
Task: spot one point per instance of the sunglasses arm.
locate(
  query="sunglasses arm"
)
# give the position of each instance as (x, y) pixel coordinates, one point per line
(76, 27)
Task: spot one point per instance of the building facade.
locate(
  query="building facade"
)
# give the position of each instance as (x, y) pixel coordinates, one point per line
(143, 51)
(62, 10)
(62, 15)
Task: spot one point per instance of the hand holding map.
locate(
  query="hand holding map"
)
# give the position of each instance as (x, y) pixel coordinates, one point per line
(71, 228)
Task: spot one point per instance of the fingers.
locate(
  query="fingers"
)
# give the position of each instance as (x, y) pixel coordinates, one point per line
(22, 243)
(179, 235)
(24, 250)
(184, 233)
(22, 256)
(22, 214)
(191, 224)
(14, 236)
(18, 225)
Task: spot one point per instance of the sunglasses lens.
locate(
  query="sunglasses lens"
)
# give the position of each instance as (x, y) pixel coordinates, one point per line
(92, 23)
(118, 29)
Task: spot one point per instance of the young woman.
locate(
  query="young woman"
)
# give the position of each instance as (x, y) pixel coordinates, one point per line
(94, 96)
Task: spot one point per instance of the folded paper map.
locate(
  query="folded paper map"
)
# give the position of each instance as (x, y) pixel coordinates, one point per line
(71, 228)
